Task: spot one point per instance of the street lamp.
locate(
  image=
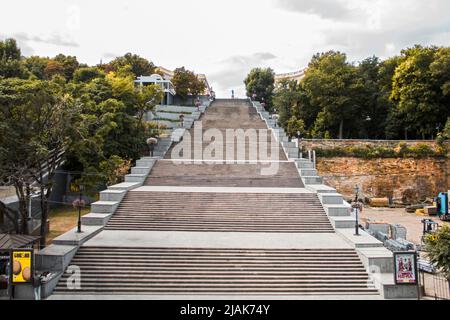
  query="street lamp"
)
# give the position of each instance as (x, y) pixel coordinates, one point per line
(357, 206)
(299, 137)
(275, 117)
(79, 203)
(151, 145)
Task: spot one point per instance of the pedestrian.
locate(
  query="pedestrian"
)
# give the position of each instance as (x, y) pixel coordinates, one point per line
(232, 94)
(37, 283)
(254, 95)
(197, 103)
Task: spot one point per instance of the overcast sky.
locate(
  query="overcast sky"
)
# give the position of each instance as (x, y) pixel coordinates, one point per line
(224, 39)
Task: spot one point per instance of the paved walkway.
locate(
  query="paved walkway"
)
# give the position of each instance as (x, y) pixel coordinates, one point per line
(121, 238)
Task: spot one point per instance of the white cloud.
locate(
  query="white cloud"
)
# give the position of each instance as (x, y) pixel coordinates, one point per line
(234, 70)
(224, 39)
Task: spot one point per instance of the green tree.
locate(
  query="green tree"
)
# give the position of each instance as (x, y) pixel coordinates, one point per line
(139, 66)
(333, 88)
(52, 69)
(36, 66)
(187, 83)
(419, 93)
(286, 99)
(262, 82)
(36, 127)
(69, 65)
(395, 124)
(10, 55)
(437, 246)
(147, 97)
(295, 126)
(374, 113)
(87, 74)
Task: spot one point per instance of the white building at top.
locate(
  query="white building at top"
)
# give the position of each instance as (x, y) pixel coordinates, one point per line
(166, 85)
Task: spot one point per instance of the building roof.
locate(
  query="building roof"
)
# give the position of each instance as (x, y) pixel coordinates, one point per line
(296, 75)
(11, 241)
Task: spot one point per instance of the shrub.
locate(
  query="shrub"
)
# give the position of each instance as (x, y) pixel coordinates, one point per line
(371, 152)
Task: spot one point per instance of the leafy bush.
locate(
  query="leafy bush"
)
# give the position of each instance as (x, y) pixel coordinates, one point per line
(370, 152)
(437, 246)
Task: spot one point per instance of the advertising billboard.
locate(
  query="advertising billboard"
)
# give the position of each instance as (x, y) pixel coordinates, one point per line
(405, 267)
(21, 266)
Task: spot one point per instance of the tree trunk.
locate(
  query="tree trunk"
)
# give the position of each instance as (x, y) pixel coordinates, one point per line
(44, 216)
(21, 197)
(10, 214)
(341, 129)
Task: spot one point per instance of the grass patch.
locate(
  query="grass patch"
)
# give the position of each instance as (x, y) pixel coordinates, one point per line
(63, 219)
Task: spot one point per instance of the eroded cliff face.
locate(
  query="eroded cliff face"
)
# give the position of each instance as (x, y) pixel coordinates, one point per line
(405, 179)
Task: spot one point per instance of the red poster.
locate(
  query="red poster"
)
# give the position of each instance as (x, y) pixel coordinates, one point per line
(405, 268)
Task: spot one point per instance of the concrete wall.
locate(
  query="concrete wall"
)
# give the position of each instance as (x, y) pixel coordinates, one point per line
(405, 179)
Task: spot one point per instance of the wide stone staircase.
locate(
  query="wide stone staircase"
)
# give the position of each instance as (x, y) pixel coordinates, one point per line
(131, 270)
(216, 211)
(200, 228)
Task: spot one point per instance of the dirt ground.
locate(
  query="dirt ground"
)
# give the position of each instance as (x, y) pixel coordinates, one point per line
(435, 286)
(62, 220)
(410, 221)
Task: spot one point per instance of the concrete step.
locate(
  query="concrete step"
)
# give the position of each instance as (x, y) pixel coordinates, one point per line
(54, 257)
(307, 172)
(304, 164)
(340, 222)
(290, 145)
(321, 188)
(96, 219)
(312, 180)
(73, 238)
(337, 210)
(331, 198)
(140, 170)
(378, 259)
(190, 271)
(145, 162)
(135, 178)
(215, 211)
(363, 240)
(112, 195)
(124, 186)
(104, 206)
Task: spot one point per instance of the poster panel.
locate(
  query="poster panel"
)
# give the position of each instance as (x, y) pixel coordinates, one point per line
(405, 267)
(21, 266)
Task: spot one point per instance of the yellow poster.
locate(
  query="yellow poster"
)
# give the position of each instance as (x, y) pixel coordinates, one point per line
(21, 266)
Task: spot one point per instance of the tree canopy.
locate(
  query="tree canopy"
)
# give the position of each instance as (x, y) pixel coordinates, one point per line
(56, 106)
(187, 83)
(139, 66)
(261, 81)
(405, 96)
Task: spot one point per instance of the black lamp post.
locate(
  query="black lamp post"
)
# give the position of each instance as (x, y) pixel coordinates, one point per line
(275, 117)
(356, 206)
(299, 137)
(80, 204)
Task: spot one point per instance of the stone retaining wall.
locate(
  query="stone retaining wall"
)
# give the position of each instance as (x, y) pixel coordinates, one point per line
(405, 179)
(342, 143)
